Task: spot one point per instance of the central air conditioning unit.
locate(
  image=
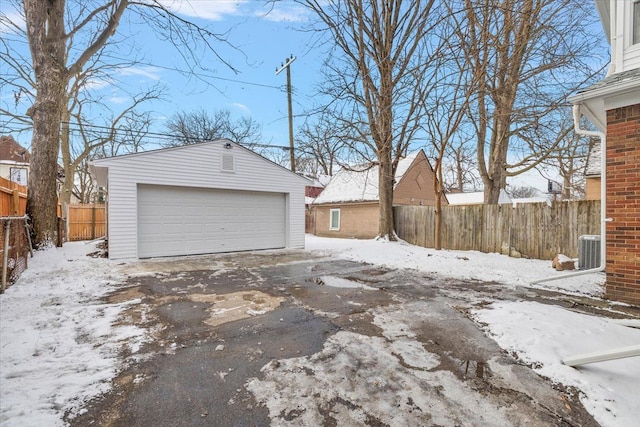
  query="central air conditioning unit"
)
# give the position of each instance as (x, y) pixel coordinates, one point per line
(588, 252)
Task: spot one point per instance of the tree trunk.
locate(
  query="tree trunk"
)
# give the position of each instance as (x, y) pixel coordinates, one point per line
(385, 182)
(45, 29)
(65, 149)
(438, 190)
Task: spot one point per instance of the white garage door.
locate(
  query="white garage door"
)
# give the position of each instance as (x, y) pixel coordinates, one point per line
(188, 221)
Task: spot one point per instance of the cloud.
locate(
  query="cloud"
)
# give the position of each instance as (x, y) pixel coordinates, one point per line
(12, 22)
(211, 10)
(281, 13)
(242, 107)
(118, 99)
(152, 73)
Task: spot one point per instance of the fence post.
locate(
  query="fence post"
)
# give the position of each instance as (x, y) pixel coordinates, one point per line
(16, 201)
(93, 222)
(5, 255)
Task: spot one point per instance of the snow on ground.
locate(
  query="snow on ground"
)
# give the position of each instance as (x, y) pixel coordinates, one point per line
(59, 340)
(58, 343)
(372, 377)
(456, 264)
(543, 335)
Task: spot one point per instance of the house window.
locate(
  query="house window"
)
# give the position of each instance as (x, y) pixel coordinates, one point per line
(636, 22)
(334, 219)
(19, 175)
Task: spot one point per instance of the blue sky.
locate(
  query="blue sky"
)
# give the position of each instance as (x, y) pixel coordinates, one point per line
(260, 37)
(260, 34)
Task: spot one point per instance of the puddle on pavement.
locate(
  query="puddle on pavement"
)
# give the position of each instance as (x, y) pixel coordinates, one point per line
(237, 305)
(475, 369)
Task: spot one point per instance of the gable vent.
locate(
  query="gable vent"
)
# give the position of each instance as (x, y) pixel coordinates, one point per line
(228, 163)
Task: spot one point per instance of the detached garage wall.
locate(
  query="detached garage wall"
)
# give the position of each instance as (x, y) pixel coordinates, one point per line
(194, 166)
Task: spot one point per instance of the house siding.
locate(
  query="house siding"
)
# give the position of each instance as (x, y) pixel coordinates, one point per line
(194, 166)
(592, 188)
(416, 186)
(357, 220)
(623, 205)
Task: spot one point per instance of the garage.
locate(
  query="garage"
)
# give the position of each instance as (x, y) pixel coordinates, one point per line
(209, 197)
(186, 221)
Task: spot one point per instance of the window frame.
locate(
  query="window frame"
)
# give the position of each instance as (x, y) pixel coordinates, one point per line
(635, 25)
(19, 173)
(332, 226)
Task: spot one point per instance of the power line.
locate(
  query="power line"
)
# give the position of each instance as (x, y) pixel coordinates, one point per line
(101, 131)
(177, 70)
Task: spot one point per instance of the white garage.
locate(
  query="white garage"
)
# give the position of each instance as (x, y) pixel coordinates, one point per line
(205, 198)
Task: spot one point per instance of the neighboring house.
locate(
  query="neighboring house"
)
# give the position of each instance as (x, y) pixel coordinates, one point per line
(593, 183)
(14, 160)
(204, 198)
(311, 191)
(318, 182)
(613, 106)
(475, 198)
(349, 204)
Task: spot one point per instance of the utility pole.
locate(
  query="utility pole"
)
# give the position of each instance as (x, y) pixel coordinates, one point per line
(287, 65)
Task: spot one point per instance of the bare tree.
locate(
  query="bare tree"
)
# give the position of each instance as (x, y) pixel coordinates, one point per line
(199, 126)
(81, 134)
(522, 192)
(448, 99)
(52, 28)
(526, 57)
(379, 75)
(321, 145)
(570, 160)
(460, 167)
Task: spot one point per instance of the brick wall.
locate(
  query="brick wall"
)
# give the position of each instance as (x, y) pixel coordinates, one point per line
(623, 204)
(357, 220)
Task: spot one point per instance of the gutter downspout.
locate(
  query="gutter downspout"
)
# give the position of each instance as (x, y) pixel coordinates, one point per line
(603, 199)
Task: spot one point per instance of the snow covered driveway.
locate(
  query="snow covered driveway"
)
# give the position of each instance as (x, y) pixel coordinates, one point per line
(345, 333)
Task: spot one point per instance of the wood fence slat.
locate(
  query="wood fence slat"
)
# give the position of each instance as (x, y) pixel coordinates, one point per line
(536, 230)
(87, 222)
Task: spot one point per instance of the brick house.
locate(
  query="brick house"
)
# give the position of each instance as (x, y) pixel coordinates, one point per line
(349, 205)
(613, 106)
(14, 160)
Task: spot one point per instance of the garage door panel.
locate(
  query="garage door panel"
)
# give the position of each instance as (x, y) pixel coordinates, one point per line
(182, 221)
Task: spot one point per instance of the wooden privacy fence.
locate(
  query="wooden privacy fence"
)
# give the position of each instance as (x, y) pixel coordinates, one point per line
(86, 222)
(536, 230)
(13, 198)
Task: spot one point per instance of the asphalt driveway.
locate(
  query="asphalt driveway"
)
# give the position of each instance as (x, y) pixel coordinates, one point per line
(289, 338)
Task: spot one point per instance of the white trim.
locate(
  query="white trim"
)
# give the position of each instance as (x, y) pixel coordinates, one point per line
(332, 226)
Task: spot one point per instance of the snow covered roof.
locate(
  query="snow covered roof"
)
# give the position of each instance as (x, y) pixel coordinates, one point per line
(594, 161)
(540, 199)
(360, 185)
(319, 180)
(475, 198)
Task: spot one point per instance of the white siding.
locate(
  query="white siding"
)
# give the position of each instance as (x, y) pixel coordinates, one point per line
(195, 166)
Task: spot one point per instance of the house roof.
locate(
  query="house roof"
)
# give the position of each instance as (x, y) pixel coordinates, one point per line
(360, 185)
(594, 161)
(475, 198)
(539, 199)
(318, 180)
(598, 97)
(97, 166)
(11, 151)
